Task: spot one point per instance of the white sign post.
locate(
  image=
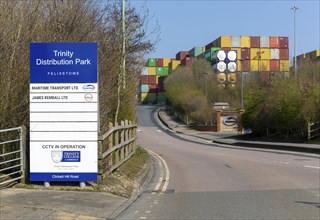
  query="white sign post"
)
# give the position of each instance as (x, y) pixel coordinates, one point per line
(64, 112)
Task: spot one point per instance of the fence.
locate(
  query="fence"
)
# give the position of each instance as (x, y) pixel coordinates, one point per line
(313, 130)
(116, 146)
(12, 155)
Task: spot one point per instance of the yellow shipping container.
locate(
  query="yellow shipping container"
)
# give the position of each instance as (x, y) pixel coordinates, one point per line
(175, 64)
(255, 54)
(238, 52)
(254, 65)
(245, 41)
(226, 41)
(284, 65)
(157, 80)
(264, 65)
(144, 96)
(318, 53)
(238, 65)
(265, 53)
(166, 61)
(152, 71)
(223, 41)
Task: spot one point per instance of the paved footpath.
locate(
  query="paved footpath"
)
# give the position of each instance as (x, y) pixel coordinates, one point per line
(52, 204)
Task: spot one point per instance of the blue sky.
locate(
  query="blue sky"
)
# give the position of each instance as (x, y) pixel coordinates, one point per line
(188, 23)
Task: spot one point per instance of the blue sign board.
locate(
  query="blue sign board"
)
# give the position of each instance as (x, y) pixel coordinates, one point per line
(64, 112)
(63, 63)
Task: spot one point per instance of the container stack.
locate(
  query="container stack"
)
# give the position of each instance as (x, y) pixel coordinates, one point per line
(257, 56)
(308, 57)
(152, 80)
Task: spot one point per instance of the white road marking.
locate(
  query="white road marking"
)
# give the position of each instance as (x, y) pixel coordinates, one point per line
(167, 178)
(166, 184)
(160, 179)
(142, 217)
(138, 130)
(314, 167)
(147, 212)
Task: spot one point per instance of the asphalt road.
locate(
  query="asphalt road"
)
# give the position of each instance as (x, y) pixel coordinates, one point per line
(196, 179)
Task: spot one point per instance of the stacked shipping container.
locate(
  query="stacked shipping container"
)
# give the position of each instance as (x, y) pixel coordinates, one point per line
(258, 55)
(152, 79)
(310, 56)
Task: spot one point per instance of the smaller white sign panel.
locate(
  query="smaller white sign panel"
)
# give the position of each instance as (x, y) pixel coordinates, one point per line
(67, 117)
(63, 126)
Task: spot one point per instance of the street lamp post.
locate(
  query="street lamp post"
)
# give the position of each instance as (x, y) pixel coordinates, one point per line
(294, 8)
(241, 97)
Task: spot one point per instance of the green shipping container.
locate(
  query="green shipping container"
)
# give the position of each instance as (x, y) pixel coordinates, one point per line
(195, 52)
(165, 71)
(151, 98)
(160, 71)
(208, 55)
(162, 100)
(151, 62)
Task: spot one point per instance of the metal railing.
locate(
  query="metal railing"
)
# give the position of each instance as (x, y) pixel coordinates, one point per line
(116, 146)
(313, 130)
(12, 155)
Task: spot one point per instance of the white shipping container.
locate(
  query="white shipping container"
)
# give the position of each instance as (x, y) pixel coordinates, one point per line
(235, 41)
(144, 71)
(264, 42)
(274, 54)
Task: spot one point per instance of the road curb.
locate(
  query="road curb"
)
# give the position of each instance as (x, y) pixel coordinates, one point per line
(142, 180)
(270, 146)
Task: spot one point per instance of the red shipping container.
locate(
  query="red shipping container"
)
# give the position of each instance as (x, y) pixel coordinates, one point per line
(152, 80)
(225, 48)
(245, 53)
(284, 54)
(187, 61)
(181, 55)
(283, 42)
(144, 79)
(274, 42)
(245, 66)
(255, 42)
(274, 65)
(153, 88)
(159, 62)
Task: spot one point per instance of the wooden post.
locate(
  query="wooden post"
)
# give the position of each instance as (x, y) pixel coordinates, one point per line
(116, 141)
(122, 139)
(219, 120)
(110, 144)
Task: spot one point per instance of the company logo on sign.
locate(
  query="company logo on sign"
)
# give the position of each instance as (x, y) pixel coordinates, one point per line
(230, 121)
(88, 87)
(88, 97)
(56, 156)
(65, 156)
